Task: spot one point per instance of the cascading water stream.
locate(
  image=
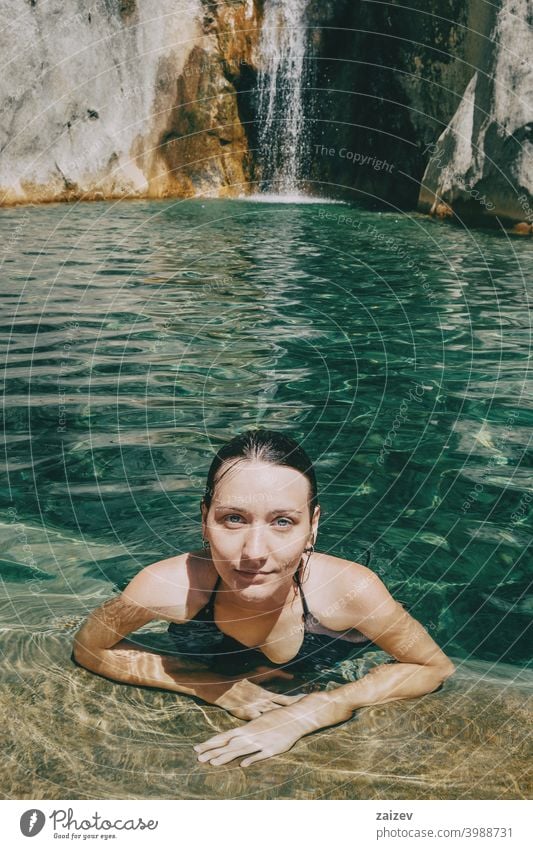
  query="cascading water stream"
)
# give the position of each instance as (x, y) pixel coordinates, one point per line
(283, 76)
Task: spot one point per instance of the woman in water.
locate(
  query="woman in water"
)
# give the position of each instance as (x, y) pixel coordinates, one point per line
(261, 583)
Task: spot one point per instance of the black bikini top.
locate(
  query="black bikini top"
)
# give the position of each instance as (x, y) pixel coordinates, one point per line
(311, 623)
(313, 631)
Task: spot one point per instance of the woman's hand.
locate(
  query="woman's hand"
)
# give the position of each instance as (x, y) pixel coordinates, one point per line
(274, 732)
(247, 700)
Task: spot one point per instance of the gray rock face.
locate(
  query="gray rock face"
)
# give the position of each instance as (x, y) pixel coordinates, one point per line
(482, 163)
(84, 93)
(88, 95)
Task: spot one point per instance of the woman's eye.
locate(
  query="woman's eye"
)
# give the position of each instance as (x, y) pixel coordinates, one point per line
(236, 519)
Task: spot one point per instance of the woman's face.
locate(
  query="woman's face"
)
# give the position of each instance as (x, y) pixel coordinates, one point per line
(258, 525)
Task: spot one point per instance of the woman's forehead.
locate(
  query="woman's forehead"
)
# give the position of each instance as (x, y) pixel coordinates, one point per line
(263, 483)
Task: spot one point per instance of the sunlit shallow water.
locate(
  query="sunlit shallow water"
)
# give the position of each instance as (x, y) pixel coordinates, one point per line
(140, 335)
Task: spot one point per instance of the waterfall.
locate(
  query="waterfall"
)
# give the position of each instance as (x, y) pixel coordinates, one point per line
(282, 82)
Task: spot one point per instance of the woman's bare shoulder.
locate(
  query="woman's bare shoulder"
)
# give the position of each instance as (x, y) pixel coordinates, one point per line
(337, 585)
(179, 585)
(331, 569)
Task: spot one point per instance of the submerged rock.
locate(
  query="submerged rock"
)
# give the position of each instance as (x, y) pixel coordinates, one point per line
(442, 210)
(79, 736)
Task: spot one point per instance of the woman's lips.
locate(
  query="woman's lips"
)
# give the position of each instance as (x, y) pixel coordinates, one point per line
(250, 573)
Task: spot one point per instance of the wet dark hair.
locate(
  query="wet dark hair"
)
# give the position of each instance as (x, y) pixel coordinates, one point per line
(268, 446)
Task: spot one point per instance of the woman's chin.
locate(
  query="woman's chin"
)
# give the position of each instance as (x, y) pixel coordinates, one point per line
(254, 587)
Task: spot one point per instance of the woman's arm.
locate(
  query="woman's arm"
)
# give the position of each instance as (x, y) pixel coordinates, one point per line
(422, 666)
(99, 647)
(369, 607)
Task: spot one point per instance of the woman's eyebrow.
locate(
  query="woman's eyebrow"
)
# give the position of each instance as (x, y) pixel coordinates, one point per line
(242, 509)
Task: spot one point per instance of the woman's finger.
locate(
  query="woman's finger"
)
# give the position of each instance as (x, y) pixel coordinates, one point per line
(268, 706)
(287, 700)
(215, 753)
(280, 673)
(233, 749)
(207, 757)
(217, 740)
(255, 710)
(261, 756)
(248, 713)
(230, 756)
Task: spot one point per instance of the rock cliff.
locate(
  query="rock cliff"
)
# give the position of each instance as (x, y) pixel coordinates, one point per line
(483, 161)
(427, 105)
(111, 99)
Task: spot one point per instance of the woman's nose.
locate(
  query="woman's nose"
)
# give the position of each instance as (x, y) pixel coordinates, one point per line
(254, 547)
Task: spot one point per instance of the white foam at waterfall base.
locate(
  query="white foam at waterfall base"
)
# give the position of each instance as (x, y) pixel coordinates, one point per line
(289, 197)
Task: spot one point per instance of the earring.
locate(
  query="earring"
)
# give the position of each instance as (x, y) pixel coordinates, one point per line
(298, 579)
(205, 542)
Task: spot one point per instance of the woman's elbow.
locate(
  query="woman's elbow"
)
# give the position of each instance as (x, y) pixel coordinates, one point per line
(448, 669)
(442, 672)
(78, 655)
(84, 656)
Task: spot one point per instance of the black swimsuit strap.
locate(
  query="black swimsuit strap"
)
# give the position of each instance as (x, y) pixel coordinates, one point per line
(299, 585)
(209, 607)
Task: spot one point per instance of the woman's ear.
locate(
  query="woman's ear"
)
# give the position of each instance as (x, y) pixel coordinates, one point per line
(203, 512)
(314, 523)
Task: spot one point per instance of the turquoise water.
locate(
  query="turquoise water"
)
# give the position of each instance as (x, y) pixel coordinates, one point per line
(138, 336)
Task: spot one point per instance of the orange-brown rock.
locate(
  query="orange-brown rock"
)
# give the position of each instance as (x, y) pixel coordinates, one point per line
(523, 228)
(204, 145)
(442, 210)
